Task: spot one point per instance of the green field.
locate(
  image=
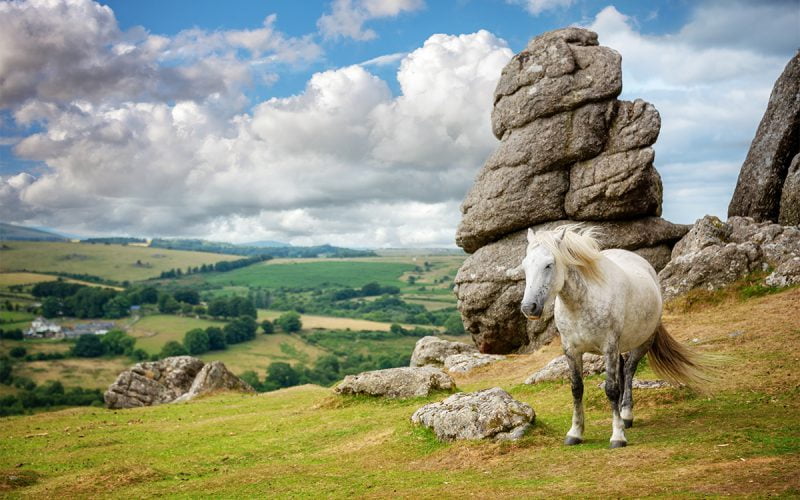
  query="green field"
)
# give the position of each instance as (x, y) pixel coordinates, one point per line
(743, 440)
(114, 262)
(315, 274)
(90, 373)
(152, 332)
(257, 354)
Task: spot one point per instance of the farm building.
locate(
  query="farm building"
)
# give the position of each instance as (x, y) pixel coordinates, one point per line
(42, 328)
(91, 328)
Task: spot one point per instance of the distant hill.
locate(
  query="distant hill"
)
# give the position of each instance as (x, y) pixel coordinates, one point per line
(10, 232)
(276, 252)
(265, 244)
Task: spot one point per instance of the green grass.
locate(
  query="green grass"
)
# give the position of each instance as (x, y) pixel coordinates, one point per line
(152, 332)
(315, 274)
(257, 354)
(741, 441)
(35, 346)
(115, 262)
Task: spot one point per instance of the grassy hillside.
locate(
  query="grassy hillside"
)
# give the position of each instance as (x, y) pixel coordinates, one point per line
(114, 262)
(345, 273)
(12, 232)
(304, 441)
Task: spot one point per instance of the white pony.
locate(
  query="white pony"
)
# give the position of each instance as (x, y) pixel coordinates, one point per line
(606, 303)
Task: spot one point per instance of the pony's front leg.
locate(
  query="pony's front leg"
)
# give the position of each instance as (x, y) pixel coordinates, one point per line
(614, 391)
(575, 362)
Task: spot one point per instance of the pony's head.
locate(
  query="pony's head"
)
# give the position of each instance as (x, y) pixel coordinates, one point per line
(549, 256)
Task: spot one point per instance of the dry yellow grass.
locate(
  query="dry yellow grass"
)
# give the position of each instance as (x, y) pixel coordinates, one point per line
(95, 373)
(312, 322)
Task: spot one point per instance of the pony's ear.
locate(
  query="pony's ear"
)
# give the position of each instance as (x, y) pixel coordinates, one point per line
(560, 237)
(531, 236)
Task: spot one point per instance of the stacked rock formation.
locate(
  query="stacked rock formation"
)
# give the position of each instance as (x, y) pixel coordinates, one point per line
(768, 188)
(569, 151)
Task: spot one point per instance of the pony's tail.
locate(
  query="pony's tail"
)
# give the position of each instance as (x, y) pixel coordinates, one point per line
(680, 365)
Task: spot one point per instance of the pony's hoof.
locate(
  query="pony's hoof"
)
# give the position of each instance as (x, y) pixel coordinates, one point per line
(628, 422)
(618, 444)
(570, 441)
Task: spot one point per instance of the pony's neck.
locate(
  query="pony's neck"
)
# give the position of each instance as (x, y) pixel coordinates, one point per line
(574, 291)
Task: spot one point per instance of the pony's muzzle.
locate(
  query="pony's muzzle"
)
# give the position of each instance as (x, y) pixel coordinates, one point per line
(532, 311)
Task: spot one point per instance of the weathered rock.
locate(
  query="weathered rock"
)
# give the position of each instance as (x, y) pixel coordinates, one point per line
(403, 382)
(214, 376)
(489, 298)
(557, 71)
(462, 363)
(790, 195)
(152, 383)
(490, 413)
(759, 187)
(506, 200)
(715, 254)
(432, 350)
(558, 369)
(616, 186)
(636, 125)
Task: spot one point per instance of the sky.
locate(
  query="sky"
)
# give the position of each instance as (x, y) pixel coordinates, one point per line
(358, 123)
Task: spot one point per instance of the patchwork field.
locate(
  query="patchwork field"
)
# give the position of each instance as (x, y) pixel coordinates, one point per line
(312, 322)
(114, 262)
(11, 279)
(152, 332)
(257, 354)
(314, 273)
(91, 373)
(743, 440)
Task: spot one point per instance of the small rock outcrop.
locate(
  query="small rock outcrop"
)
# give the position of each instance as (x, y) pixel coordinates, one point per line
(214, 376)
(715, 254)
(558, 369)
(768, 187)
(569, 151)
(403, 382)
(487, 414)
(462, 363)
(169, 380)
(433, 351)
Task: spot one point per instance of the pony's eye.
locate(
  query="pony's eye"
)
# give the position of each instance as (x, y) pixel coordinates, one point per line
(549, 266)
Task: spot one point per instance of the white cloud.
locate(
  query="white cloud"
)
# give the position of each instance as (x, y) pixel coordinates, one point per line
(344, 161)
(536, 7)
(58, 51)
(711, 94)
(347, 17)
(385, 60)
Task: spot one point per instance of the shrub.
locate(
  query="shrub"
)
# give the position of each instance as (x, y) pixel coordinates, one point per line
(267, 326)
(18, 352)
(216, 339)
(173, 348)
(89, 346)
(289, 322)
(196, 341)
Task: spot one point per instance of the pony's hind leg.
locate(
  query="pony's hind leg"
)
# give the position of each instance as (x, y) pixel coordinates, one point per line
(614, 392)
(575, 362)
(629, 369)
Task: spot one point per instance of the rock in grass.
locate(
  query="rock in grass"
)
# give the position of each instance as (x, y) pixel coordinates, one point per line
(172, 379)
(215, 377)
(462, 363)
(558, 369)
(403, 382)
(432, 350)
(487, 414)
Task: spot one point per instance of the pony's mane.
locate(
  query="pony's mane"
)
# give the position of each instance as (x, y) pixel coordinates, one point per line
(578, 248)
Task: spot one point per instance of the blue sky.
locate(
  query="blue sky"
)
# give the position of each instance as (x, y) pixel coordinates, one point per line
(353, 122)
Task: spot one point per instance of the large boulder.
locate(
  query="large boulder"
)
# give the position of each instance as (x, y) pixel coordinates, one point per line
(715, 254)
(558, 368)
(177, 378)
(760, 187)
(432, 350)
(489, 291)
(487, 414)
(569, 151)
(557, 71)
(403, 382)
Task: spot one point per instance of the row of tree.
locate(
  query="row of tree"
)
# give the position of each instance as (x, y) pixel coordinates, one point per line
(220, 267)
